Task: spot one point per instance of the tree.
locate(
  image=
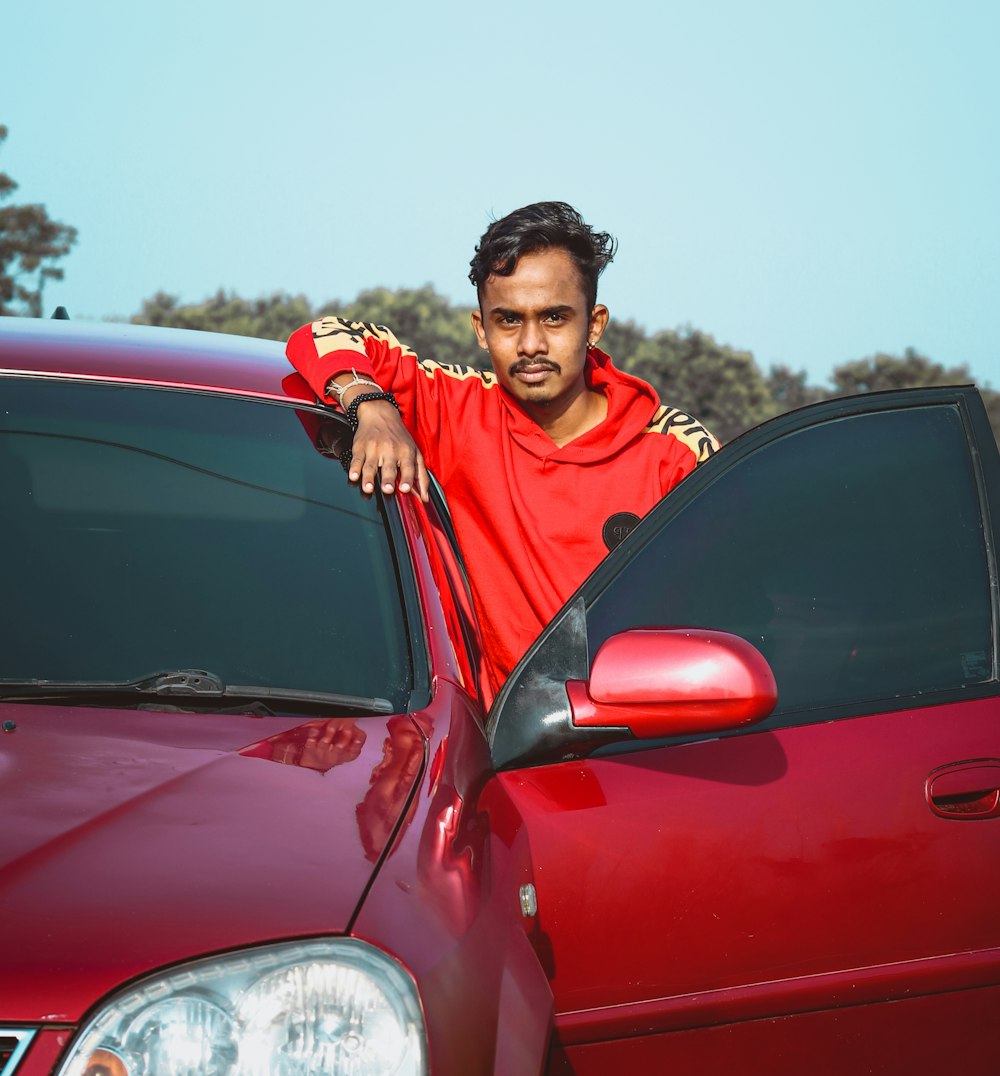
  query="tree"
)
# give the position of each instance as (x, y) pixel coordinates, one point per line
(271, 317)
(789, 390)
(883, 371)
(420, 318)
(30, 242)
(873, 374)
(913, 370)
(623, 340)
(722, 387)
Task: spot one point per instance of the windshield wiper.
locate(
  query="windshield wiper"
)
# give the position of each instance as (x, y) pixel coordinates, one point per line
(191, 683)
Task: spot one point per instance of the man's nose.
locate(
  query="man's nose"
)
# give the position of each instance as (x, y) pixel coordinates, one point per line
(531, 340)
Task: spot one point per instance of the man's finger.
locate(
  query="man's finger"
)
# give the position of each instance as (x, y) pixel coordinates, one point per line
(423, 480)
(389, 472)
(407, 471)
(369, 472)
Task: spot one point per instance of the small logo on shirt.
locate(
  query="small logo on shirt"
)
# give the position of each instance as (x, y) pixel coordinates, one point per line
(618, 527)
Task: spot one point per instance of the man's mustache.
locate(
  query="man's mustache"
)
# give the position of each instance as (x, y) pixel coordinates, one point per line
(535, 364)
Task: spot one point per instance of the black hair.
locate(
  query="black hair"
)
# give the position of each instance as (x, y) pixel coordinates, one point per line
(539, 227)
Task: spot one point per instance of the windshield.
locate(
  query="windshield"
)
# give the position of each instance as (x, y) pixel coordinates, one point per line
(149, 530)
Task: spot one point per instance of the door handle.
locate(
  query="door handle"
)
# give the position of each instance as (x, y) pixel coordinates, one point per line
(965, 790)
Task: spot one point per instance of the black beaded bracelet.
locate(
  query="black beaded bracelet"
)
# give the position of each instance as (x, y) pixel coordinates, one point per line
(363, 397)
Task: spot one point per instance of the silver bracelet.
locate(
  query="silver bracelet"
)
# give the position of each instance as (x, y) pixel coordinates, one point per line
(334, 389)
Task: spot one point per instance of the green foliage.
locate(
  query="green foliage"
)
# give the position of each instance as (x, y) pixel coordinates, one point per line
(272, 317)
(622, 340)
(722, 386)
(30, 242)
(911, 371)
(789, 390)
(888, 372)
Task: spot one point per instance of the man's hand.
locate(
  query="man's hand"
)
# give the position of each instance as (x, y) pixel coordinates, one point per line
(383, 443)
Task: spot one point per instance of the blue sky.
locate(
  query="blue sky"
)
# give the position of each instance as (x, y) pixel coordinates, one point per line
(812, 182)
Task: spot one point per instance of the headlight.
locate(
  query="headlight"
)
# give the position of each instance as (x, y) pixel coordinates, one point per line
(324, 1008)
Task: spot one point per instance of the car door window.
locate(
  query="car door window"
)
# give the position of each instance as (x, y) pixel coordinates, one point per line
(850, 553)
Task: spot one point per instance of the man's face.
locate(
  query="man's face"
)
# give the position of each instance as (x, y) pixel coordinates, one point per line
(536, 324)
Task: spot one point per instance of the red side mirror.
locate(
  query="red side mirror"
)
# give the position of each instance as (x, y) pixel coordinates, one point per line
(674, 681)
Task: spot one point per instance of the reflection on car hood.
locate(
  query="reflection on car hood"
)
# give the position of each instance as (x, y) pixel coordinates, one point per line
(134, 839)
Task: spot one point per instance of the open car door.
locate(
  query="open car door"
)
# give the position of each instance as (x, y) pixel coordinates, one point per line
(789, 880)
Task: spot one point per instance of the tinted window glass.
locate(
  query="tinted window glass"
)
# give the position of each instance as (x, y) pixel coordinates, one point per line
(850, 553)
(151, 530)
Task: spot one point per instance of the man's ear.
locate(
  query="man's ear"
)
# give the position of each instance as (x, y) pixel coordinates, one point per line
(477, 325)
(598, 323)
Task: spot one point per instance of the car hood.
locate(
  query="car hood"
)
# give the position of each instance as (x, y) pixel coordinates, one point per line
(135, 839)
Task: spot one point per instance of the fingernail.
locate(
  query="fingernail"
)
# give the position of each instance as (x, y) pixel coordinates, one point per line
(404, 487)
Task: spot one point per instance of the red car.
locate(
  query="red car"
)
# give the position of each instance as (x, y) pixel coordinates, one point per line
(737, 810)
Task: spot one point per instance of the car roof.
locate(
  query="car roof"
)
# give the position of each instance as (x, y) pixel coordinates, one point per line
(145, 354)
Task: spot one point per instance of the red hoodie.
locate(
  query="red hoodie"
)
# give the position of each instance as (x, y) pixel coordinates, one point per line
(533, 519)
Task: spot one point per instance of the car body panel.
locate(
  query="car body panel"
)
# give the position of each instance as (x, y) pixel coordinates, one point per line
(755, 882)
(949, 1032)
(165, 836)
(150, 356)
(446, 903)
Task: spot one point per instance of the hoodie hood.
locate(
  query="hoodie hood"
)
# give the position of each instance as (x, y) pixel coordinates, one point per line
(133, 840)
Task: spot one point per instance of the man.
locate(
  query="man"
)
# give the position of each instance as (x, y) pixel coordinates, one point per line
(547, 462)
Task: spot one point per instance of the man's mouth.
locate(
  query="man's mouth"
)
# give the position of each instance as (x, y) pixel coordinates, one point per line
(532, 372)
